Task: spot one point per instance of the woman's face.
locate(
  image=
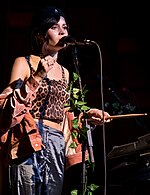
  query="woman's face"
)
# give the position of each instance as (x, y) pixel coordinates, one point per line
(55, 33)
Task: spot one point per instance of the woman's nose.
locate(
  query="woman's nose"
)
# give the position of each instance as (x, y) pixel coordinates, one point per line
(62, 31)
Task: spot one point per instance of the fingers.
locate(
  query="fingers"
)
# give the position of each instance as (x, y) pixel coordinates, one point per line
(102, 116)
(44, 66)
(97, 116)
(97, 113)
(48, 61)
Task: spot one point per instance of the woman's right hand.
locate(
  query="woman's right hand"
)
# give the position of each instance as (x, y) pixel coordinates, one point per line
(44, 66)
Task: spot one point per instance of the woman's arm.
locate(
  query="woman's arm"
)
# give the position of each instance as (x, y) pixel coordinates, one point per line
(16, 99)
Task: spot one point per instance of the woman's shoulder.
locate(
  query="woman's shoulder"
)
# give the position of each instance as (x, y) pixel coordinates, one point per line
(22, 64)
(20, 60)
(20, 68)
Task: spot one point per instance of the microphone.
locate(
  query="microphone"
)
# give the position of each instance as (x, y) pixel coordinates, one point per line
(67, 40)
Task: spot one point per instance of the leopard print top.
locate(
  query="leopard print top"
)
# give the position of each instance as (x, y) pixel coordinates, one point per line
(50, 98)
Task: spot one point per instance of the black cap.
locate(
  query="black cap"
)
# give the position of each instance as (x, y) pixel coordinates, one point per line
(45, 18)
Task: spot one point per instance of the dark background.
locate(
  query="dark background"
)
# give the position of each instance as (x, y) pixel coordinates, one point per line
(122, 33)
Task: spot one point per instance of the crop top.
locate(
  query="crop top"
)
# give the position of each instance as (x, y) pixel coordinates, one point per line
(50, 98)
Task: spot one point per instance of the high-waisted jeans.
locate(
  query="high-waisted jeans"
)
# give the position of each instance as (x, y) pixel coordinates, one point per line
(40, 173)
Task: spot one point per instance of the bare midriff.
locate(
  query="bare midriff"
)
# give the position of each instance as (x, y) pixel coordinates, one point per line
(49, 123)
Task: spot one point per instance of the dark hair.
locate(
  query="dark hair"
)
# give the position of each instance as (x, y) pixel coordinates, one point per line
(43, 19)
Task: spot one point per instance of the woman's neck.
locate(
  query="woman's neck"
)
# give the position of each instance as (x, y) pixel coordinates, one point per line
(46, 51)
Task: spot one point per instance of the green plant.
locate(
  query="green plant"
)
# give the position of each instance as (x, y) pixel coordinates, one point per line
(89, 190)
(78, 105)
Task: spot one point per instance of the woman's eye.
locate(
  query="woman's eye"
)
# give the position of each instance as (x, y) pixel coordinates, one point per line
(65, 27)
(53, 27)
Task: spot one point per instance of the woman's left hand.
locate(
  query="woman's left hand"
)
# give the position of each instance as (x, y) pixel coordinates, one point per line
(97, 117)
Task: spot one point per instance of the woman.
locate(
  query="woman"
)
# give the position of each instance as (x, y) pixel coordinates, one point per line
(38, 90)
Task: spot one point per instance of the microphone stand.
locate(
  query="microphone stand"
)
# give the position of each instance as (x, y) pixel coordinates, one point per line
(85, 143)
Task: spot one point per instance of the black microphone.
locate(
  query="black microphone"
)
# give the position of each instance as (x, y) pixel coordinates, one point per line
(67, 40)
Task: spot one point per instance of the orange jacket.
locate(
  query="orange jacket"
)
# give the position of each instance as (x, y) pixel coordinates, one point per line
(19, 134)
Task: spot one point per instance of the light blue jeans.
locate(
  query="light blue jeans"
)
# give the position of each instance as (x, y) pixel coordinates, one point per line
(40, 173)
